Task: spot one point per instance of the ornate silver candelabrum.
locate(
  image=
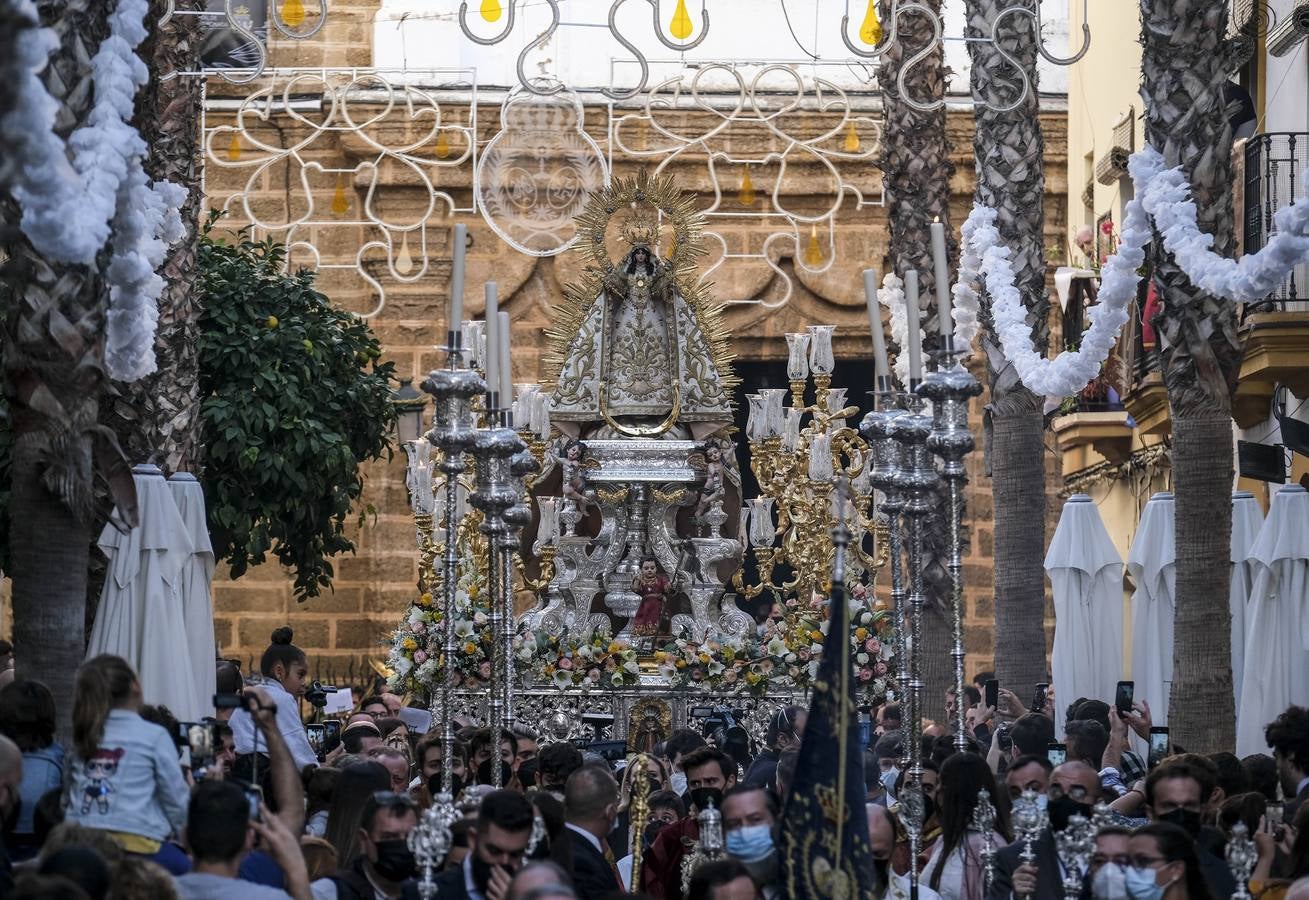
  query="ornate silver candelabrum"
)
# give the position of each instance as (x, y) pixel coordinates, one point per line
(950, 390)
(1075, 845)
(454, 426)
(1241, 857)
(983, 821)
(917, 482)
(430, 842)
(878, 429)
(1029, 820)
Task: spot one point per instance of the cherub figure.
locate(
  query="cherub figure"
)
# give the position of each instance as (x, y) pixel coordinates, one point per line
(713, 488)
(574, 479)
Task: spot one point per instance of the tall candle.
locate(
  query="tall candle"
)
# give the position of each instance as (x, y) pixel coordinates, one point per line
(502, 332)
(881, 368)
(491, 365)
(942, 269)
(460, 240)
(915, 331)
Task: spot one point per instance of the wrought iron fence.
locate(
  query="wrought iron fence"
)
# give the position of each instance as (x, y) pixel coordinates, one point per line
(1274, 167)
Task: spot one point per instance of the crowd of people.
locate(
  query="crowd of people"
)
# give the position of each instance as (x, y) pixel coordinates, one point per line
(252, 804)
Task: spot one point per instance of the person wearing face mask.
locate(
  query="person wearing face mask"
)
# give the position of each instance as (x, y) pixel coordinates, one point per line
(385, 863)
(889, 750)
(749, 817)
(498, 843)
(784, 731)
(887, 839)
(1109, 864)
(1164, 866)
(680, 743)
(590, 807)
(710, 773)
(1074, 790)
(665, 808)
(1176, 793)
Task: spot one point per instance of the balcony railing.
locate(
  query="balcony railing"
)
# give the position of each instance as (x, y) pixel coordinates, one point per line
(1274, 169)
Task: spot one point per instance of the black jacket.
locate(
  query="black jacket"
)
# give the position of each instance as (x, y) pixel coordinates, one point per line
(450, 884)
(1049, 882)
(593, 877)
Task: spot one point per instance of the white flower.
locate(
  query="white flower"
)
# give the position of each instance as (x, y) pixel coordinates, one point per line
(815, 648)
(632, 666)
(776, 647)
(584, 652)
(861, 658)
(479, 618)
(401, 664)
(813, 668)
(562, 678)
(616, 679)
(790, 659)
(463, 628)
(715, 667)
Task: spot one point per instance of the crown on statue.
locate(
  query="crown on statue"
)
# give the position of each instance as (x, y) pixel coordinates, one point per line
(641, 227)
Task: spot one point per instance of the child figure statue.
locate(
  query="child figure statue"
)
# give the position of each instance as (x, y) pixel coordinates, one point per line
(653, 588)
(575, 500)
(713, 489)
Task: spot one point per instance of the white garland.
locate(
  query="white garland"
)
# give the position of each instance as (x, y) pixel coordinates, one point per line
(892, 297)
(1162, 194)
(966, 308)
(78, 196)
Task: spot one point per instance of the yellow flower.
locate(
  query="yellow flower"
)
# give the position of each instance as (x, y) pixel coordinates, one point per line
(470, 648)
(425, 600)
(704, 658)
(681, 664)
(409, 644)
(816, 635)
(752, 678)
(861, 633)
(472, 592)
(614, 648)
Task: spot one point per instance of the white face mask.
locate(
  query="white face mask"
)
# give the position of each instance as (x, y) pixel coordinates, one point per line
(1110, 883)
(889, 778)
(677, 781)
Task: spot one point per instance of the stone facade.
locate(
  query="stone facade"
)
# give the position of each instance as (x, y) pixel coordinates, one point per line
(372, 587)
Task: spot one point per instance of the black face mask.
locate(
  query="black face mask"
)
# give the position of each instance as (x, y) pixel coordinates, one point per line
(1185, 819)
(1063, 809)
(434, 785)
(929, 808)
(395, 861)
(652, 831)
(703, 796)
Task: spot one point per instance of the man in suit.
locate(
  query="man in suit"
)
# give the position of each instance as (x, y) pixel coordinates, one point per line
(1288, 735)
(1074, 790)
(590, 808)
(498, 843)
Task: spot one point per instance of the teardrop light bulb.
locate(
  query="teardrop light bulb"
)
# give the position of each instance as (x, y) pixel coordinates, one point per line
(293, 13)
(746, 196)
(491, 10)
(870, 32)
(813, 253)
(340, 203)
(404, 262)
(442, 145)
(681, 26)
(851, 144)
(234, 148)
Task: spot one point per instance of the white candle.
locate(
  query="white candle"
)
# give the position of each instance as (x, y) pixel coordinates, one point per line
(545, 531)
(490, 365)
(502, 332)
(881, 368)
(942, 269)
(797, 364)
(543, 404)
(820, 458)
(915, 331)
(460, 240)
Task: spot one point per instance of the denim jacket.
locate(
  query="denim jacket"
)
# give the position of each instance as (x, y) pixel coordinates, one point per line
(132, 784)
(43, 771)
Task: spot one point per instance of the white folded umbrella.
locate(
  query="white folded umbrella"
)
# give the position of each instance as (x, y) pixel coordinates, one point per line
(193, 586)
(1247, 519)
(1086, 576)
(140, 617)
(1152, 564)
(1276, 666)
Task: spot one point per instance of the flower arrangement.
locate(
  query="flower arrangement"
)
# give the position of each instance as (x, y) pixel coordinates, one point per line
(783, 652)
(418, 644)
(570, 661)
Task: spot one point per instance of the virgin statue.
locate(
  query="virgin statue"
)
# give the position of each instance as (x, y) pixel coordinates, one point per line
(637, 361)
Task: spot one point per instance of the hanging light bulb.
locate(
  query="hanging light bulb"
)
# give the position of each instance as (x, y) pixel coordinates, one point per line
(746, 195)
(851, 144)
(293, 12)
(442, 144)
(340, 203)
(491, 10)
(870, 32)
(813, 253)
(681, 26)
(404, 262)
(234, 147)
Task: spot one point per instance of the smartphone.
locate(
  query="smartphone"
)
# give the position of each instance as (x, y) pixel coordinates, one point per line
(1274, 815)
(331, 734)
(1038, 699)
(1124, 697)
(198, 738)
(254, 795)
(1056, 753)
(317, 734)
(1004, 739)
(1158, 745)
(991, 694)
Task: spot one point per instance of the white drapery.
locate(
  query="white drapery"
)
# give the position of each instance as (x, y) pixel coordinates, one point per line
(1276, 666)
(1152, 564)
(193, 584)
(1247, 518)
(1086, 577)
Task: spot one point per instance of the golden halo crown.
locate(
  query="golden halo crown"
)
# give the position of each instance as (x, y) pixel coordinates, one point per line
(641, 227)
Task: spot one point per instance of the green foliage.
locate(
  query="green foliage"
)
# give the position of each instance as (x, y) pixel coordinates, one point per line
(293, 399)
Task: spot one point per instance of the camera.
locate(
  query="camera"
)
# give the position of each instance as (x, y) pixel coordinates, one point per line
(721, 726)
(316, 694)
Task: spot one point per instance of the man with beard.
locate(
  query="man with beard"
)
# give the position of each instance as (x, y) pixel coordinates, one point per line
(749, 816)
(1074, 791)
(385, 861)
(709, 774)
(498, 843)
(1177, 792)
(888, 842)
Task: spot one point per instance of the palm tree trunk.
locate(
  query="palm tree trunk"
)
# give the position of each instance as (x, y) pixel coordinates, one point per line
(54, 370)
(1185, 63)
(916, 171)
(1010, 177)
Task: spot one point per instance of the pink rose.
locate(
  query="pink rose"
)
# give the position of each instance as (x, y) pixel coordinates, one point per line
(420, 627)
(859, 591)
(565, 663)
(880, 668)
(420, 656)
(865, 675)
(1107, 226)
(729, 676)
(765, 666)
(872, 645)
(804, 655)
(610, 664)
(593, 674)
(697, 675)
(484, 671)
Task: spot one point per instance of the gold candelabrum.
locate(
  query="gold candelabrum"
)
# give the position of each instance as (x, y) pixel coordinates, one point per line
(798, 455)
